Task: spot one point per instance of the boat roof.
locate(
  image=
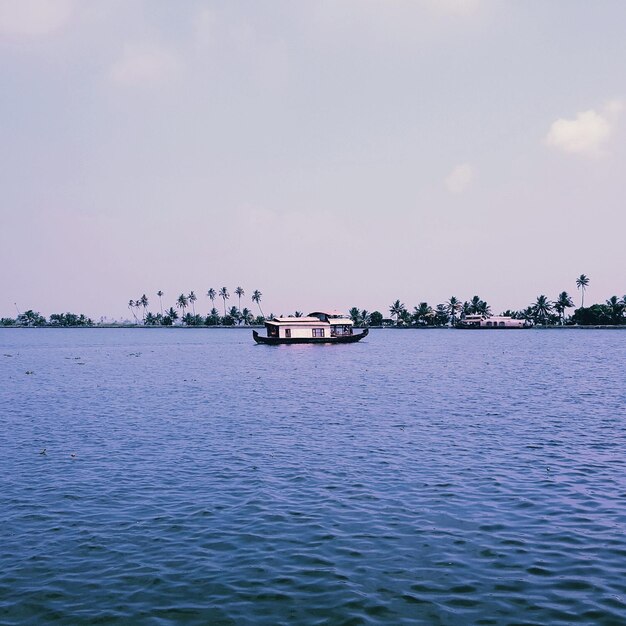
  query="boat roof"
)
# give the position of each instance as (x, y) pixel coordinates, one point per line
(309, 320)
(329, 313)
(297, 320)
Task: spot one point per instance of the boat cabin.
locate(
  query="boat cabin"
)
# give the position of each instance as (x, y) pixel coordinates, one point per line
(495, 321)
(318, 325)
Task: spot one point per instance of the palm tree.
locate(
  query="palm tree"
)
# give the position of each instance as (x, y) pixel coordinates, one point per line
(212, 295)
(144, 303)
(235, 314)
(527, 314)
(396, 309)
(298, 314)
(581, 283)
(365, 318)
(453, 306)
(171, 314)
(182, 303)
(422, 314)
(131, 304)
(484, 308)
(215, 316)
(355, 315)
(542, 308)
(474, 304)
(256, 297)
(246, 316)
(442, 317)
(563, 302)
(160, 294)
(192, 298)
(616, 307)
(239, 292)
(223, 293)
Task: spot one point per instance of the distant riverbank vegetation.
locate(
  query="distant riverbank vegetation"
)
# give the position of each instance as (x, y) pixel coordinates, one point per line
(541, 312)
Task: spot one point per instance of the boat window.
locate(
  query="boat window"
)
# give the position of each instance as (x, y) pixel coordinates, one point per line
(488, 324)
(502, 324)
(318, 332)
(288, 332)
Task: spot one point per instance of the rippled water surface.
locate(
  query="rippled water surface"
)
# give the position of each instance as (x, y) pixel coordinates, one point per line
(418, 477)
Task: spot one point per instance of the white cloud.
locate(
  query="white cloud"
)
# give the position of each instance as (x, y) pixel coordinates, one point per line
(586, 134)
(33, 17)
(459, 178)
(144, 65)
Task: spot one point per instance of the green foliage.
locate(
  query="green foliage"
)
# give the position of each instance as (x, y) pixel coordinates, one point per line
(597, 315)
(69, 319)
(442, 317)
(423, 315)
(7, 321)
(30, 318)
(376, 318)
(213, 318)
(398, 310)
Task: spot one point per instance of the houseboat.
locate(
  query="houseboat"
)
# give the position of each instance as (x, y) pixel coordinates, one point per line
(316, 327)
(494, 321)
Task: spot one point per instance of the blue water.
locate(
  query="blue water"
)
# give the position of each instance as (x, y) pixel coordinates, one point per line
(418, 477)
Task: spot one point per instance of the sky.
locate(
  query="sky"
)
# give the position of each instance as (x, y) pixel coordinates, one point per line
(330, 154)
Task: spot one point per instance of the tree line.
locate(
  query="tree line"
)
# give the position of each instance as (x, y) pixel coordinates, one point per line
(542, 311)
(232, 316)
(32, 318)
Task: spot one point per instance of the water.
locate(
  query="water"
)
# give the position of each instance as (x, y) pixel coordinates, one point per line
(418, 477)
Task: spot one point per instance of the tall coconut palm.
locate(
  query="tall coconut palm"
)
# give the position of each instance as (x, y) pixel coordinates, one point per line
(192, 299)
(256, 297)
(366, 317)
(239, 292)
(453, 306)
(160, 294)
(562, 303)
(182, 303)
(298, 314)
(581, 283)
(212, 295)
(144, 303)
(223, 293)
(397, 309)
(542, 308)
(131, 306)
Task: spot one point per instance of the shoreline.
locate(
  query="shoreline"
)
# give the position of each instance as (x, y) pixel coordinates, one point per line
(256, 326)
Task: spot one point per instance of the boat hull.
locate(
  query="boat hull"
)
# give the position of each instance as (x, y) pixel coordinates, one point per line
(276, 341)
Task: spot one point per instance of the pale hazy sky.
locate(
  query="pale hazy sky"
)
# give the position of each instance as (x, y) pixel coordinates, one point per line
(329, 153)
